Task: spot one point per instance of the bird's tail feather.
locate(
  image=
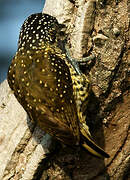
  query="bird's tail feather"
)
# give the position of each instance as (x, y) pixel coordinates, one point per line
(91, 146)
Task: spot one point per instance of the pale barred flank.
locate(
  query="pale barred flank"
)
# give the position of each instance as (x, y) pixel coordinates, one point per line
(81, 88)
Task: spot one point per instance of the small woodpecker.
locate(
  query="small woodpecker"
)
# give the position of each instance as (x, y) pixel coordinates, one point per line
(49, 86)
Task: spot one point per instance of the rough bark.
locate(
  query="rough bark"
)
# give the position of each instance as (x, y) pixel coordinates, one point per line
(102, 28)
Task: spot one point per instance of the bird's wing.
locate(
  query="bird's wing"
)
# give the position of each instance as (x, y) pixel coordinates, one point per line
(43, 85)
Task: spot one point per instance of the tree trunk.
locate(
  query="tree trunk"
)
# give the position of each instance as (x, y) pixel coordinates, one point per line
(94, 27)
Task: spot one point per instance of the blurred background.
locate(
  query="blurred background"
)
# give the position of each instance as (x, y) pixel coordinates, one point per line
(12, 15)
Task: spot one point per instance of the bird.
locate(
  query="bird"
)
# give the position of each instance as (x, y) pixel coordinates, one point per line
(49, 85)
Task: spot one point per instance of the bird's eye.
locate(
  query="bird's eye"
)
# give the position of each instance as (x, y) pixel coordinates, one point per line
(62, 33)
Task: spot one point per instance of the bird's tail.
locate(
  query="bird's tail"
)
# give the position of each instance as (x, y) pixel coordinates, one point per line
(91, 146)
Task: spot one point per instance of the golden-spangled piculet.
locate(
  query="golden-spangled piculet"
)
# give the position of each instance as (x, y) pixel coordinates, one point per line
(49, 86)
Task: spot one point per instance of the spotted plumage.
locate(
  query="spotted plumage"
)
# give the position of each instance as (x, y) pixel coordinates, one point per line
(48, 85)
